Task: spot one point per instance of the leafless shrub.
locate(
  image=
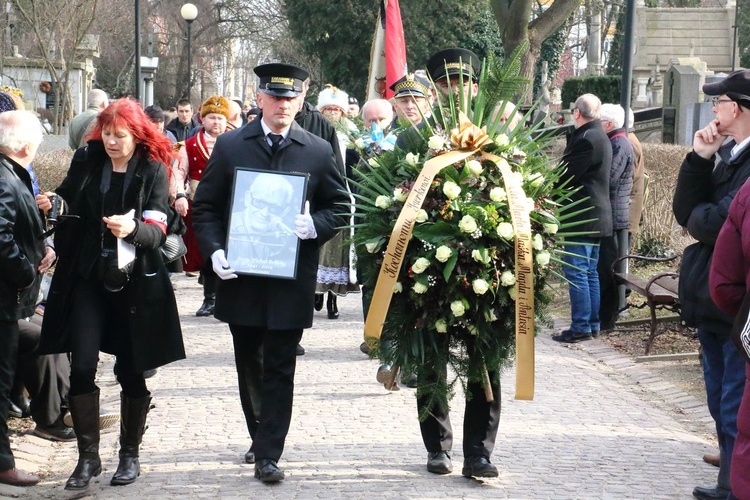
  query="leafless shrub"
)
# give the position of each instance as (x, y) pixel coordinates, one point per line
(51, 167)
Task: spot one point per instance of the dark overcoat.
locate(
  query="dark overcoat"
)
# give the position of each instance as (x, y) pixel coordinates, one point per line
(153, 320)
(272, 303)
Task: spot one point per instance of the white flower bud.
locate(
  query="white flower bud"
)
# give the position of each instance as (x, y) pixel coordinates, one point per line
(508, 278)
(551, 228)
(537, 243)
(457, 308)
(480, 286)
(498, 194)
(419, 288)
(398, 287)
(451, 190)
(436, 142)
(420, 265)
(383, 201)
(412, 159)
(505, 230)
(467, 224)
(475, 167)
(443, 253)
(441, 326)
(542, 258)
(422, 215)
(400, 194)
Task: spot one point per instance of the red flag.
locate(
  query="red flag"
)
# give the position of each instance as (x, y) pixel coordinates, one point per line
(395, 48)
(388, 54)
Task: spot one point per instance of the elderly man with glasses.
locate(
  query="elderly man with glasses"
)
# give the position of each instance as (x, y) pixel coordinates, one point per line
(709, 178)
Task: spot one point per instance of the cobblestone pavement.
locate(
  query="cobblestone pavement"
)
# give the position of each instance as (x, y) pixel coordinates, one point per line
(600, 426)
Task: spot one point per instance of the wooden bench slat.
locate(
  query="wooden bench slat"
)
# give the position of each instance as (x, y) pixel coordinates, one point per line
(659, 292)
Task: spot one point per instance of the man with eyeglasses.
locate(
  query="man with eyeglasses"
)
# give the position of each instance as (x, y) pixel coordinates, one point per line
(709, 178)
(267, 315)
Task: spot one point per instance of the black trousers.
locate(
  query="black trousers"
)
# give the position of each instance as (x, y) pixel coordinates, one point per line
(8, 355)
(481, 419)
(100, 318)
(46, 378)
(266, 361)
(608, 289)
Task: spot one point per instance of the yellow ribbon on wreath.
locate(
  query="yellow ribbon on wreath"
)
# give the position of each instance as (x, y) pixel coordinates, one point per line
(469, 139)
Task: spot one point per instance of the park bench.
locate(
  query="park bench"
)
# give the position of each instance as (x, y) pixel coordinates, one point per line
(659, 290)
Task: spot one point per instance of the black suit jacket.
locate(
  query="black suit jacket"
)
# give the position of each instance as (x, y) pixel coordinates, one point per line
(587, 159)
(276, 304)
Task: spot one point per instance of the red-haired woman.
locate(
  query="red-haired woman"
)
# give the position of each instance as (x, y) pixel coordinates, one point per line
(115, 196)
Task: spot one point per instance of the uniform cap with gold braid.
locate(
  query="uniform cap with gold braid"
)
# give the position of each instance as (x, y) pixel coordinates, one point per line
(215, 104)
(455, 61)
(280, 79)
(411, 84)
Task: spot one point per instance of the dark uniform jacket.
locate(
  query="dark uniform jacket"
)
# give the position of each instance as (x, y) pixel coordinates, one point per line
(587, 159)
(705, 190)
(275, 304)
(21, 244)
(153, 323)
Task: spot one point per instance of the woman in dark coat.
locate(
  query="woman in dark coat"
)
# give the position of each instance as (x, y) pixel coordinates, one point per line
(115, 194)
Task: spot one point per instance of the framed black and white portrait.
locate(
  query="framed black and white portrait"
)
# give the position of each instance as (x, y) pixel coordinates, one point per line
(261, 239)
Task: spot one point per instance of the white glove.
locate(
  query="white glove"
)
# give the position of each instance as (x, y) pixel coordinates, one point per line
(221, 266)
(304, 227)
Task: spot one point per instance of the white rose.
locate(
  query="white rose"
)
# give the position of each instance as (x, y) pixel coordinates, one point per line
(457, 307)
(443, 253)
(451, 190)
(498, 194)
(505, 230)
(359, 143)
(502, 140)
(475, 167)
(441, 326)
(399, 194)
(398, 287)
(422, 215)
(490, 316)
(477, 256)
(373, 162)
(537, 243)
(480, 286)
(551, 228)
(542, 258)
(536, 179)
(507, 278)
(419, 288)
(383, 201)
(371, 247)
(420, 265)
(412, 159)
(513, 292)
(436, 142)
(467, 224)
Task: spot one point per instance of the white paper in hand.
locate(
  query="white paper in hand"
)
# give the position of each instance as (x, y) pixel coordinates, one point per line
(125, 251)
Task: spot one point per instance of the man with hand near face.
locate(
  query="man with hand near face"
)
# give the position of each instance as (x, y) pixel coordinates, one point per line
(709, 178)
(267, 315)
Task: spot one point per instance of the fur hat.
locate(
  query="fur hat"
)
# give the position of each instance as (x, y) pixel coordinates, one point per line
(215, 104)
(331, 96)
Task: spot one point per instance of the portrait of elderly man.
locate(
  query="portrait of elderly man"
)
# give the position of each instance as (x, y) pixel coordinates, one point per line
(261, 234)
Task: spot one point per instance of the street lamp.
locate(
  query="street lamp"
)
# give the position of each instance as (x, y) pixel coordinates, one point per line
(189, 12)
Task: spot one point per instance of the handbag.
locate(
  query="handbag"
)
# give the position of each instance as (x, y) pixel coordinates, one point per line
(173, 248)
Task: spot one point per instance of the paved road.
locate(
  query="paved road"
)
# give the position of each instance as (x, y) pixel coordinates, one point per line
(599, 427)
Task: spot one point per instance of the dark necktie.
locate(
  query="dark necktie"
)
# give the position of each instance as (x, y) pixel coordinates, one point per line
(275, 142)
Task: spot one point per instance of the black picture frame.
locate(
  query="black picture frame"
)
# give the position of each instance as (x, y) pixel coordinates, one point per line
(261, 239)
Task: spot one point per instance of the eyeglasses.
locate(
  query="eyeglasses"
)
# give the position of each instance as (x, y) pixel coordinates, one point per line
(716, 100)
(272, 209)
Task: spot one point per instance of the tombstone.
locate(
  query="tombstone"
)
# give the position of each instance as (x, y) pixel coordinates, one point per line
(681, 89)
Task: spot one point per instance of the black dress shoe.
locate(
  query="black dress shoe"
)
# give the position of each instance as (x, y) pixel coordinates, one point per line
(715, 493)
(439, 462)
(318, 301)
(207, 308)
(250, 456)
(409, 380)
(268, 471)
(300, 350)
(20, 406)
(55, 432)
(478, 466)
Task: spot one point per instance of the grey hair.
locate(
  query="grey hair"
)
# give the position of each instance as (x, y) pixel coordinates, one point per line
(19, 129)
(589, 105)
(613, 113)
(96, 98)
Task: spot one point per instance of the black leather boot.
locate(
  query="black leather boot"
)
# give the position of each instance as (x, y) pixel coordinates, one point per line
(333, 310)
(85, 412)
(132, 425)
(318, 301)
(207, 308)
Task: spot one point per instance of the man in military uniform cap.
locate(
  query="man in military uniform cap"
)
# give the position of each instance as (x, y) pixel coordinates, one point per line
(411, 98)
(267, 315)
(455, 73)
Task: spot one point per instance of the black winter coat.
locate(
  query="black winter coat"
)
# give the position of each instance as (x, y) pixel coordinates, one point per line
(313, 121)
(705, 189)
(21, 245)
(621, 178)
(153, 324)
(180, 131)
(276, 304)
(587, 159)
